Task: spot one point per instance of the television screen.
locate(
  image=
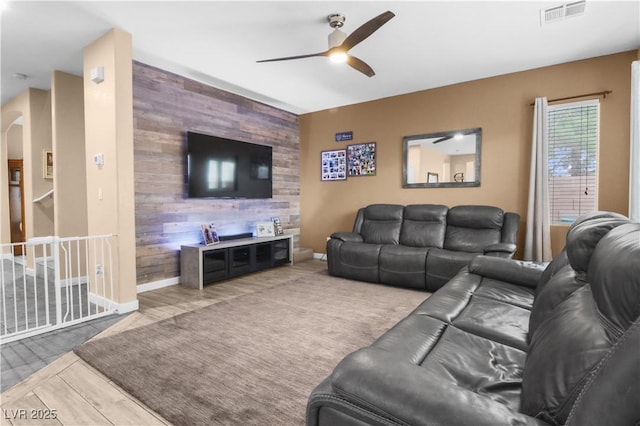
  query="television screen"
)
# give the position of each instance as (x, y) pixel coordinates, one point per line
(224, 168)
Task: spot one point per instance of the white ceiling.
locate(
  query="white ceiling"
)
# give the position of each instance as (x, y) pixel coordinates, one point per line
(428, 44)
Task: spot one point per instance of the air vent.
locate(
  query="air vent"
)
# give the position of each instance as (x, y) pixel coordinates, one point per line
(575, 8)
(560, 12)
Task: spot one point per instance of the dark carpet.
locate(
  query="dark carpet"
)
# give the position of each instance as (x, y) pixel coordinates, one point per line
(254, 359)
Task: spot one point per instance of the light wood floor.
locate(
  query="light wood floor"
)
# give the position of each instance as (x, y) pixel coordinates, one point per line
(70, 392)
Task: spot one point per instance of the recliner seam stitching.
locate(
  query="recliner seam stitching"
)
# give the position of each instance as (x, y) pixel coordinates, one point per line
(600, 365)
(357, 408)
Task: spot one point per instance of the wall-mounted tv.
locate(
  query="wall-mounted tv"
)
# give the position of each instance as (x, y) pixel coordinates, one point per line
(225, 168)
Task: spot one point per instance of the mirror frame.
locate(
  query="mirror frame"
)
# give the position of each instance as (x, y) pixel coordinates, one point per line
(405, 154)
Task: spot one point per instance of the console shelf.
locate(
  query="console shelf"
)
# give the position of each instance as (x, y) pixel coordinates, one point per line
(200, 264)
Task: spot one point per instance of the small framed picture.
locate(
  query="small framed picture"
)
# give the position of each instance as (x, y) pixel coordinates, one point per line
(265, 229)
(47, 164)
(432, 177)
(277, 226)
(209, 234)
(333, 165)
(361, 159)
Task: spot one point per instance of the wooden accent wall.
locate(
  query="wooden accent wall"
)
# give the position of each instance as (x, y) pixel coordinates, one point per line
(165, 107)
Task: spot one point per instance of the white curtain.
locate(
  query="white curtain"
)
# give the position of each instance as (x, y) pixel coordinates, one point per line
(634, 167)
(537, 245)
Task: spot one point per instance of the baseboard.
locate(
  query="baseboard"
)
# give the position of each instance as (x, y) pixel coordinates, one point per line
(155, 285)
(320, 256)
(123, 308)
(74, 281)
(119, 308)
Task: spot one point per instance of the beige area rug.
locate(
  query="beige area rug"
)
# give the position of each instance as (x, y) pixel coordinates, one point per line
(254, 359)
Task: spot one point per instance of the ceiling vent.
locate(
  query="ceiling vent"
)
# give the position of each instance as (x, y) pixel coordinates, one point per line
(560, 12)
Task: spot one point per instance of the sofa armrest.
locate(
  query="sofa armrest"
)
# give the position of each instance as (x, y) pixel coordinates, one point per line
(347, 237)
(406, 393)
(500, 250)
(512, 271)
(510, 227)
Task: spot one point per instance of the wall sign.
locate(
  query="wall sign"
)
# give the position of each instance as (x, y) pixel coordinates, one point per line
(344, 136)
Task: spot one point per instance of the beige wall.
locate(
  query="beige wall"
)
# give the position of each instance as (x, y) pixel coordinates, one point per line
(108, 109)
(67, 94)
(499, 105)
(40, 122)
(35, 107)
(432, 161)
(12, 110)
(14, 142)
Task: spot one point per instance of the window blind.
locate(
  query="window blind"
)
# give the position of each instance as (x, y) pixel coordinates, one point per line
(573, 131)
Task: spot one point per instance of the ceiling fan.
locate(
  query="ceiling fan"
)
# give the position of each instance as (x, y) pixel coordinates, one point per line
(340, 43)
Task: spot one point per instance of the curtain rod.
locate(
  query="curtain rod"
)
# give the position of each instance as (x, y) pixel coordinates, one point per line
(603, 94)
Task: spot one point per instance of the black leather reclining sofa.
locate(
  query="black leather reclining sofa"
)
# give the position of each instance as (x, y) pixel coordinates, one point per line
(507, 343)
(419, 246)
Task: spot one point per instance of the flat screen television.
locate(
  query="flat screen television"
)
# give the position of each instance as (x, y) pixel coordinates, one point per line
(225, 168)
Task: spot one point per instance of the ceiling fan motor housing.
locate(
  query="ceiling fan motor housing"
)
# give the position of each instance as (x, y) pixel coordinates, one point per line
(336, 20)
(337, 36)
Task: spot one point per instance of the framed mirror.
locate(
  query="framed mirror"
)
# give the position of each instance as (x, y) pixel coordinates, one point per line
(442, 160)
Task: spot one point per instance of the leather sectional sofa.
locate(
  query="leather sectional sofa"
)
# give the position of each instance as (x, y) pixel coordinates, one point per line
(419, 246)
(508, 343)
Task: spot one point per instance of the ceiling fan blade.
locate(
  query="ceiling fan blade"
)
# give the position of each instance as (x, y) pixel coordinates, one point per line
(295, 57)
(442, 139)
(360, 65)
(366, 29)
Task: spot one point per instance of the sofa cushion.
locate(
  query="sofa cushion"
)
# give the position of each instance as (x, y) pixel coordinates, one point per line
(472, 228)
(424, 225)
(444, 264)
(561, 260)
(614, 276)
(582, 239)
(561, 285)
(381, 223)
(573, 337)
(565, 346)
(359, 261)
(610, 395)
(402, 265)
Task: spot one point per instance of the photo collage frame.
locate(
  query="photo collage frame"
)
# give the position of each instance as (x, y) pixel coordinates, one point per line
(355, 160)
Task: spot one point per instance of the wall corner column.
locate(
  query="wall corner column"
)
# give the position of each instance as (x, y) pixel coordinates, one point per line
(108, 108)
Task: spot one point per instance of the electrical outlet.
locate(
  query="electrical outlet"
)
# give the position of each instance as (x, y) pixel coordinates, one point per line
(99, 270)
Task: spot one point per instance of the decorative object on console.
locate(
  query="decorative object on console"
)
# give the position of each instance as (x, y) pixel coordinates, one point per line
(265, 229)
(277, 226)
(362, 159)
(333, 165)
(209, 234)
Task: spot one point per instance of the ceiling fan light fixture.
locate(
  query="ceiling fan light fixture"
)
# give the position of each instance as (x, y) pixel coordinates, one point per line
(336, 38)
(338, 56)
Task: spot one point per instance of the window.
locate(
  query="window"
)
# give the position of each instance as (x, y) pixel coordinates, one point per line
(573, 159)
